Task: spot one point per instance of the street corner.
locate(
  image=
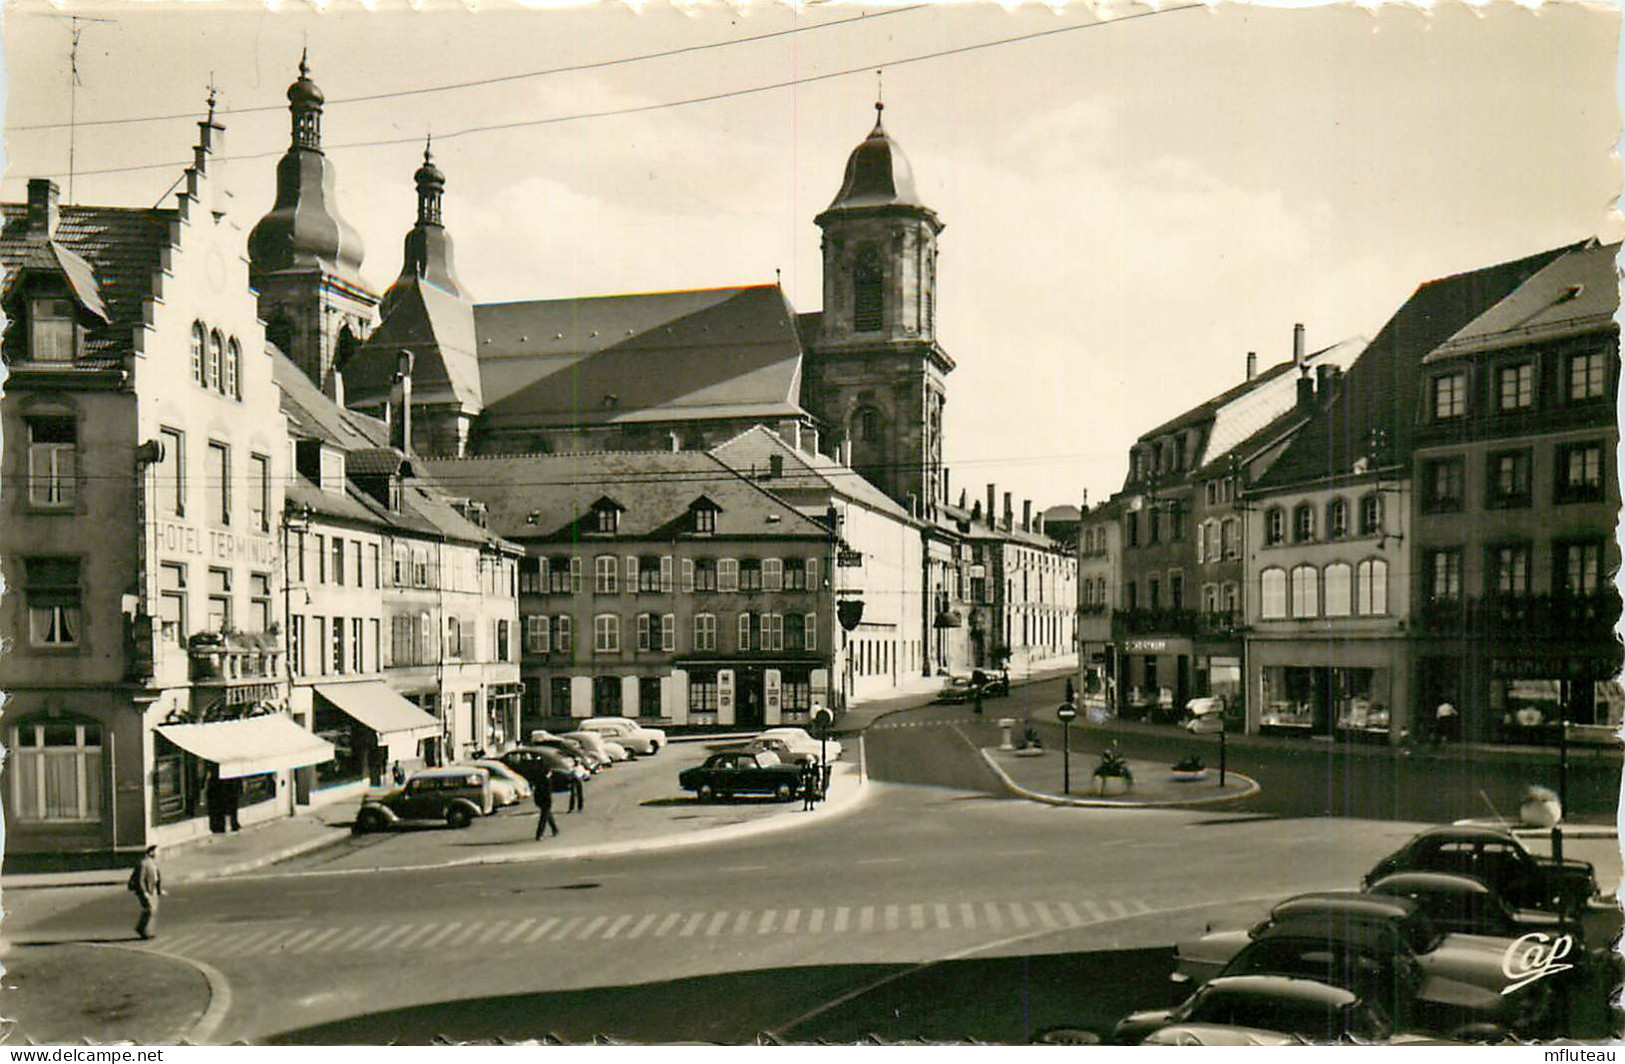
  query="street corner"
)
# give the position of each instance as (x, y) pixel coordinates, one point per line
(100, 991)
(1042, 775)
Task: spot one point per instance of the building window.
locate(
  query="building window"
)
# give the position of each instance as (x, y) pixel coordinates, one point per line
(1579, 567)
(358, 645)
(1442, 485)
(234, 369)
(702, 692)
(1509, 479)
(705, 631)
(1153, 587)
(338, 561)
(1579, 473)
(53, 334)
(1337, 518)
(705, 574)
(1232, 597)
(1442, 570)
(198, 341)
(1176, 522)
(605, 578)
(795, 627)
(259, 602)
(1230, 537)
(375, 555)
(1131, 529)
(1515, 387)
(53, 448)
(772, 637)
(1303, 523)
(645, 635)
(1272, 594)
(454, 637)
(1176, 590)
(217, 482)
(420, 568)
(668, 632)
(220, 613)
(1449, 396)
(705, 519)
(296, 645)
(1587, 376)
(607, 519)
(750, 574)
(1274, 526)
(727, 574)
(1339, 578)
(172, 473)
(558, 575)
(259, 492)
(338, 644)
(428, 641)
(172, 602)
(504, 635)
(772, 574)
(563, 633)
(606, 634)
(868, 301)
(217, 358)
(54, 601)
(1154, 525)
(1509, 568)
(537, 634)
(56, 771)
(649, 575)
(801, 574)
(1305, 591)
(1371, 515)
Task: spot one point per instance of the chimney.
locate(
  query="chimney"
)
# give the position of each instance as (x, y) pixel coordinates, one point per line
(1038, 523)
(991, 509)
(976, 511)
(1009, 514)
(1297, 346)
(1026, 515)
(1306, 392)
(1323, 376)
(963, 499)
(1252, 364)
(809, 439)
(676, 442)
(401, 436)
(790, 432)
(42, 208)
(846, 452)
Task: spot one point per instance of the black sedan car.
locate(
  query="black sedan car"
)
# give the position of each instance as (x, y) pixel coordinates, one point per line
(741, 772)
(541, 763)
(1265, 1004)
(1497, 857)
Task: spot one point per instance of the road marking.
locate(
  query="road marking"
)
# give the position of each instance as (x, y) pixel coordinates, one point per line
(742, 922)
(1071, 914)
(295, 940)
(967, 915)
(369, 937)
(616, 925)
(1141, 906)
(916, 917)
(643, 925)
(592, 928)
(397, 937)
(1095, 911)
(866, 919)
(994, 920)
(792, 920)
(883, 860)
(667, 924)
(744, 868)
(569, 925)
(942, 917)
(200, 937)
(840, 919)
(769, 918)
(491, 935)
(311, 943)
(1018, 916)
(1119, 910)
(1043, 914)
(716, 925)
(693, 923)
(518, 929)
(815, 924)
(891, 918)
(541, 929)
(238, 943)
(467, 934)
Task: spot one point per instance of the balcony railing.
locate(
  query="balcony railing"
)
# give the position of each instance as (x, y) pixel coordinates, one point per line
(1524, 616)
(1146, 621)
(230, 657)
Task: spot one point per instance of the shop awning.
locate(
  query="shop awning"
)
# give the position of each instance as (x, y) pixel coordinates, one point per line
(252, 745)
(374, 704)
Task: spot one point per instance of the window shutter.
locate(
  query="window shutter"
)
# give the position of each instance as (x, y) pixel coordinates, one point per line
(812, 574)
(728, 574)
(811, 632)
(699, 631)
(631, 574)
(665, 574)
(643, 631)
(773, 574)
(542, 634)
(668, 632)
(744, 631)
(688, 576)
(546, 575)
(575, 575)
(565, 626)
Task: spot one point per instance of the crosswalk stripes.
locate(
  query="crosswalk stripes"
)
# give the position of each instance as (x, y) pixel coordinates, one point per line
(990, 917)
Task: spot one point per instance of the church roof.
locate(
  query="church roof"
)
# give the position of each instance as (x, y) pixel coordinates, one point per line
(751, 453)
(686, 355)
(438, 328)
(313, 415)
(537, 496)
(877, 174)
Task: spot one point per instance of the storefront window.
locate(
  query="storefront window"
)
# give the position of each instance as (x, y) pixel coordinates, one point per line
(1360, 700)
(1289, 699)
(56, 772)
(352, 744)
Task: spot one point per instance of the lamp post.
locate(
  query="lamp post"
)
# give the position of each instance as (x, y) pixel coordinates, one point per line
(1066, 714)
(822, 718)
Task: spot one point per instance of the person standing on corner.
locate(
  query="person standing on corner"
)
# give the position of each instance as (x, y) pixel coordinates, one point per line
(1445, 720)
(809, 786)
(543, 795)
(148, 886)
(578, 793)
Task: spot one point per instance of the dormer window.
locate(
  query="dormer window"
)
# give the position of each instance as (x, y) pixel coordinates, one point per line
(704, 515)
(606, 517)
(52, 333)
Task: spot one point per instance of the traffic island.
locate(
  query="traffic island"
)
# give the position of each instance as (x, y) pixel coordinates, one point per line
(73, 992)
(1146, 785)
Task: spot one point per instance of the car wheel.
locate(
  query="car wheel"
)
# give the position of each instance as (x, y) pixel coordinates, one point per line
(368, 820)
(784, 792)
(654, 748)
(458, 817)
(707, 793)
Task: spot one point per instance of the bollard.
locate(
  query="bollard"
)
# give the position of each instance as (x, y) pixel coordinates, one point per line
(1007, 727)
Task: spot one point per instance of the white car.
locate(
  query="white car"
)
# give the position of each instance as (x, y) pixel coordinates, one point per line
(636, 738)
(596, 746)
(800, 742)
(501, 773)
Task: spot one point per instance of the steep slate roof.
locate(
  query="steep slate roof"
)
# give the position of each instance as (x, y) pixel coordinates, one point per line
(438, 328)
(750, 454)
(314, 415)
(725, 352)
(1381, 389)
(655, 487)
(122, 247)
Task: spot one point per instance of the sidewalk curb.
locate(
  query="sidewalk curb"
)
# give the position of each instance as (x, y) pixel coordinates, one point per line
(202, 1030)
(116, 877)
(1101, 803)
(860, 794)
(1570, 831)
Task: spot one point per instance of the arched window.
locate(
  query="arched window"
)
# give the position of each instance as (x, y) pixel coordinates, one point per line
(1371, 588)
(1303, 523)
(1371, 515)
(1337, 518)
(217, 355)
(1272, 594)
(1274, 526)
(869, 426)
(868, 300)
(197, 351)
(1338, 578)
(234, 369)
(1305, 591)
(56, 771)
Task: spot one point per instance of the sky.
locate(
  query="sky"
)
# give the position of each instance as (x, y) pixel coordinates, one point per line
(1132, 203)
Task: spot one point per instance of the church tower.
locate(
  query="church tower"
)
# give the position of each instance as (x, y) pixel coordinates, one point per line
(875, 371)
(305, 260)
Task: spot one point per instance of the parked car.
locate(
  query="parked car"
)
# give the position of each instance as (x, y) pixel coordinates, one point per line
(595, 746)
(741, 772)
(637, 739)
(1471, 906)
(781, 749)
(1459, 991)
(993, 684)
(455, 795)
(539, 763)
(1497, 857)
(573, 751)
(503, 792)
(956, 690)
(1258, 1010)
(501, 773)
(798, 740)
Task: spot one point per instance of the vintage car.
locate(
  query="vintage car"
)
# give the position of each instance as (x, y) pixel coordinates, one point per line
(596, 747)
(1458, 988)
(956, 690)
(1258, 1010)
(1524, 879)
(993, 684)
(455, 795)
(741, 772)
(504, 778)
(798, 740)
(539, 763)
(1471, 906)
(781, 749)
(636, 738)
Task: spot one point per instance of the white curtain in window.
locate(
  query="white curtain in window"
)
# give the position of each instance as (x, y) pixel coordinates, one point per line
(1337, 589)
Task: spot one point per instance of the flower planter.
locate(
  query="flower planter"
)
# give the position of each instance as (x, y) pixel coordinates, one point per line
(1186, 775)
(1105, 785)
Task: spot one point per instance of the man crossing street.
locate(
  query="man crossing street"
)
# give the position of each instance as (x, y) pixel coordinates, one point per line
(543, 795)
(148, 886)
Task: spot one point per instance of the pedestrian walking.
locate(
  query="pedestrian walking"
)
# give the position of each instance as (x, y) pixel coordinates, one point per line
(1071, 692)
(809, 786)
(233, 792)
(1445, 720)
(578, 793)
(148, 886)
(398, 774)
(543, 794)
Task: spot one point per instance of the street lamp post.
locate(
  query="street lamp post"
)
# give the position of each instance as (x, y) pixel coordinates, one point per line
(1221, 751)
(1066, 713)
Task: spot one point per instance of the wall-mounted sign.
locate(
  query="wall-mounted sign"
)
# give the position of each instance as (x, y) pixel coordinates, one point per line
(174, 538)
(1145, 646)
(849, 559)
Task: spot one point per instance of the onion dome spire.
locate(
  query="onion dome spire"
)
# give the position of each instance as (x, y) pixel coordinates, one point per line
(431, 186)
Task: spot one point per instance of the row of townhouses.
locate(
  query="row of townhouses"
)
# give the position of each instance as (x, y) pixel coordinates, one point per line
(272, 534)
(1343, 542)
